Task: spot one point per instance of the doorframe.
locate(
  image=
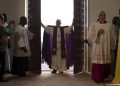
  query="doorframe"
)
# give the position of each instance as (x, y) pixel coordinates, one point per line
(78, 29)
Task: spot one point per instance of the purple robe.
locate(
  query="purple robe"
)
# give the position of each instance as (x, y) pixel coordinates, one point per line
(47, 49)
(100, 72)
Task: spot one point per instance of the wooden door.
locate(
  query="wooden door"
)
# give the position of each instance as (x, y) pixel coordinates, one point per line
(78, 36)
(35, 43)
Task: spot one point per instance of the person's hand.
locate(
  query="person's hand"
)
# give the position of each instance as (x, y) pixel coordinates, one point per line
(100, 32)
(97, 41)
(86, 41)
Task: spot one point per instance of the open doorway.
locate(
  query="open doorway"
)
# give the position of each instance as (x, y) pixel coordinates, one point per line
(52, 10)
(35, 15)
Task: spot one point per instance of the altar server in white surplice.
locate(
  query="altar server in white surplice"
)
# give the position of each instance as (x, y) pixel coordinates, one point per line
(21, 48)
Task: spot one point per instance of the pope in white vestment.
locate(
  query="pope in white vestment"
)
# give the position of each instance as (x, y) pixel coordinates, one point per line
(59, 51)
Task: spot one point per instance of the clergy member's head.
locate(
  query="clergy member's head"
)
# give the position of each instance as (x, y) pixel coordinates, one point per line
(102, 17)
(58, 22)
(23, 20)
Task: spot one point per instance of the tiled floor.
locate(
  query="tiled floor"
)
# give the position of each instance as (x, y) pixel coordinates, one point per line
(48, 79)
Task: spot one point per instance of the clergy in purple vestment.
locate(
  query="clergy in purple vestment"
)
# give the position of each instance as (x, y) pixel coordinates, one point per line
(57, 47)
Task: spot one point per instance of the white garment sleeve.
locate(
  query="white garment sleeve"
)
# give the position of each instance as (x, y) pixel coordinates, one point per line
(21, 41)
(49, 30)
(67, 29)
(92, 33)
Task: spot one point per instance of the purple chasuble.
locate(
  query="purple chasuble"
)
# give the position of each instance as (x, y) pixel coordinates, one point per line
(50, 42)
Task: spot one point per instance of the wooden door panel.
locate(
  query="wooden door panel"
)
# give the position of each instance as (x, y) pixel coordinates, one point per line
(35, 43)
(78, 36)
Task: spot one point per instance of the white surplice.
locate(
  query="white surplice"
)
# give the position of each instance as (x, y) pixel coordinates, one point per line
(101, 51)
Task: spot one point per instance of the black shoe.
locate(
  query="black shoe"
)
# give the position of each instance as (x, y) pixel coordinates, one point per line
(109, 78)
(54, 71)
